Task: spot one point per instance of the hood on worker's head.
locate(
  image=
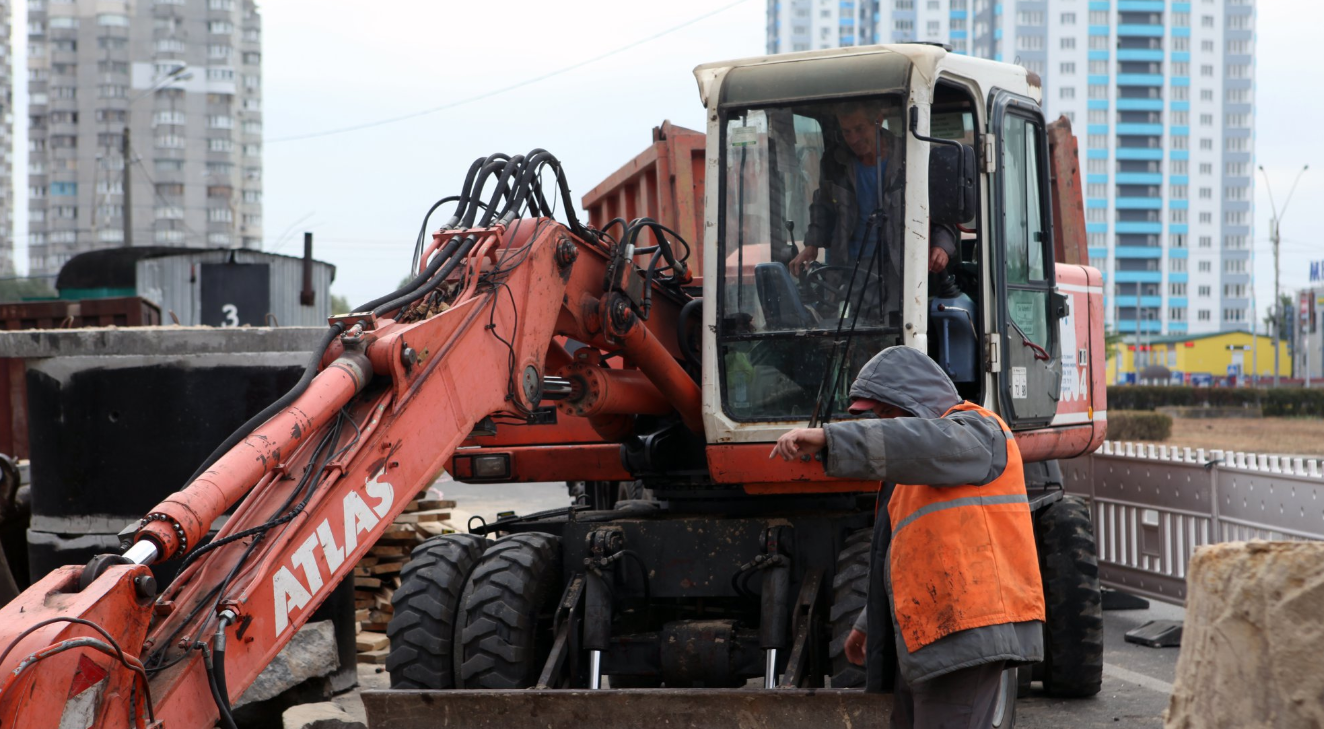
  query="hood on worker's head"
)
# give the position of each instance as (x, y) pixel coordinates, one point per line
(907, 378)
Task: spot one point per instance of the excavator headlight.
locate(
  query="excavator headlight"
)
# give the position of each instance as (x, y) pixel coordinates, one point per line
(486, 467)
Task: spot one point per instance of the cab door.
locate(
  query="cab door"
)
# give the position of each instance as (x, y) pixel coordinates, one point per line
(1028, 308)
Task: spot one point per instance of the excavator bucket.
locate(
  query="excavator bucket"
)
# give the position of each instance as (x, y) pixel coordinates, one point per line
(677, 708)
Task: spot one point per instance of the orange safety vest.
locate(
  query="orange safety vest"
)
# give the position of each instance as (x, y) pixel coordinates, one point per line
(963, 557)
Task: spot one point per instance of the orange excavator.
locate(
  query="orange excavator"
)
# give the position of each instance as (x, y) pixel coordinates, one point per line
(651, 361)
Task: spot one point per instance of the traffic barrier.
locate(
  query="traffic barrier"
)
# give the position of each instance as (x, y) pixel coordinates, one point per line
(1153, 505)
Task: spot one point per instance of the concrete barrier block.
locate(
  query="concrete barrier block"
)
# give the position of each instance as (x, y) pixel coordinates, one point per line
(1253, 650)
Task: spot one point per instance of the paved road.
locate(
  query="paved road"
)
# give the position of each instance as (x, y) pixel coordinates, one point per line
(1136, 682)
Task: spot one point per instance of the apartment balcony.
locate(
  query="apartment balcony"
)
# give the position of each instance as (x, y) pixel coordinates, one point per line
(1138, 252)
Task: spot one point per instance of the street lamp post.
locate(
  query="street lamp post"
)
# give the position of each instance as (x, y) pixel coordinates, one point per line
(1275, 226)
(126, 149)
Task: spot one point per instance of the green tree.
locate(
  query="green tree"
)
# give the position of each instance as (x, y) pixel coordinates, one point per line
(339, 305)
(1111, 338)
(20, 289)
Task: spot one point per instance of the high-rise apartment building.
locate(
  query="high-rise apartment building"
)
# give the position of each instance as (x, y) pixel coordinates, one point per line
(6, 144)
(151, 110)
(1161, 96)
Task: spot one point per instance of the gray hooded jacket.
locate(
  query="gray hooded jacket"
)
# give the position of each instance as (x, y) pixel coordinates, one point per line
(962, 449)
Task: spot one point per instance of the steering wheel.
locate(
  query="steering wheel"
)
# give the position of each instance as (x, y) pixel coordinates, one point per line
(819, 284)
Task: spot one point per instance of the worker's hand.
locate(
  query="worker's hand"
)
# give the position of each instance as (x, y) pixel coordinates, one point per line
(855, 643)
(937, 260)
(804, 258)
(799, 442)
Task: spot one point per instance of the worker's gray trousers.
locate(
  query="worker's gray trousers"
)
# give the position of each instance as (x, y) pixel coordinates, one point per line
(964, 699)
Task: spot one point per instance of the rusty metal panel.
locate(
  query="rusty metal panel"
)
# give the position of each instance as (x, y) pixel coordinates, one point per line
(664, 182)
(1070, 244)
(675, 708)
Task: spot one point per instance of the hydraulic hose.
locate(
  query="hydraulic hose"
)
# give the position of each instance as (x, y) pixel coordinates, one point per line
(451, 262)
(310, 371)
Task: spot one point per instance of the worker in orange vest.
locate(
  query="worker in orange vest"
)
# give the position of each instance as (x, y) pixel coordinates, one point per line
(955, 597)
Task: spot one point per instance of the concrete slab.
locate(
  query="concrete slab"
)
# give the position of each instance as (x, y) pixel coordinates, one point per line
(156, 341)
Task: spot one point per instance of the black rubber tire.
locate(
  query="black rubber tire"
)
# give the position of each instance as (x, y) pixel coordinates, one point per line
(1073, 633)
(506, 612)
(422, 628)
(850, 592)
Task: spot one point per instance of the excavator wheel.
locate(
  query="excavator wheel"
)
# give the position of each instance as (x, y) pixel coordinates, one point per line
(422, 630)
(506, 613)
(1073, 633)
(850, 591)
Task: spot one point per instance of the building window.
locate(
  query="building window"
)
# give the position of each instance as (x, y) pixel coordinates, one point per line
(1096, 190)
(1177, 240)
(1206, 218)
(1098, 91)
(1206, 241)
(1099, 17)
(1177, 313)
(1177, 192)
(1179, 142)
(1067, 44)
(1097, 166)
(1098, 43)
(1177, 289)
(1067, 92)
(1177, 265)
(1205, 267)
(1068, 18)
(1030, 42)
(1202, 315)
(1177, 167)
(1204, 291)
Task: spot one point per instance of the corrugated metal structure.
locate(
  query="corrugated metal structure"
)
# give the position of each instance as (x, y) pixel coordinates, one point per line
(233, 287)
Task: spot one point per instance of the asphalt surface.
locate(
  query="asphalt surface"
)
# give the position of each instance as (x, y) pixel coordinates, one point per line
(1136, 682)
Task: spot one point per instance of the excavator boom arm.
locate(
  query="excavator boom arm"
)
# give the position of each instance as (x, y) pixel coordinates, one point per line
(319, 482)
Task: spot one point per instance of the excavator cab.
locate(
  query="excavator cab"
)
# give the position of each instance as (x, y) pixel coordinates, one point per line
(961, 152)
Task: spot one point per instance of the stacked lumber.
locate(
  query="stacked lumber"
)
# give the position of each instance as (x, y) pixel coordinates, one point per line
(377, 575)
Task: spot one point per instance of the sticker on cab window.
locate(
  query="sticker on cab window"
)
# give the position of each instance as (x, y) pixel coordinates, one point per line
(743, 136)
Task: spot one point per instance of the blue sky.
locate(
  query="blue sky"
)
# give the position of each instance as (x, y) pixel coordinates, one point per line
(330, 64)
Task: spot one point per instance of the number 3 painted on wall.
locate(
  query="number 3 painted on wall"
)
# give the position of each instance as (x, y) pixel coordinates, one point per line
(231, 315)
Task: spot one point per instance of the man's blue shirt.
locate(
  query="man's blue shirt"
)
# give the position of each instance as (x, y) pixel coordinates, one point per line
(866, 199)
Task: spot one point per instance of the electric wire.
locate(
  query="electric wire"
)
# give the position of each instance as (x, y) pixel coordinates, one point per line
(505, 89)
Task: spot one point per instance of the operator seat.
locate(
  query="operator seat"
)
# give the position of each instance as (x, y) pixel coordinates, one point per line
(782, 307)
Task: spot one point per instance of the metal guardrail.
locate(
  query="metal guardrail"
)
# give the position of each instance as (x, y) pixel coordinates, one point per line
(1153, 505)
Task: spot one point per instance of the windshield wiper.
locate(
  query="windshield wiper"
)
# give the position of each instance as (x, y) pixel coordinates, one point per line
(822, 412)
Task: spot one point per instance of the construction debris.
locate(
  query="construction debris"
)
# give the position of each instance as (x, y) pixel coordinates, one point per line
(377, 575)
(309, 654)
(325, 715)
(1254, 635)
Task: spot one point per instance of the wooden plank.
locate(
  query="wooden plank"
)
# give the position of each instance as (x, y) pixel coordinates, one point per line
(389, 550)
(367, 641)
(434, 504)
(368, 582)
(385, 568)
(376, 657)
